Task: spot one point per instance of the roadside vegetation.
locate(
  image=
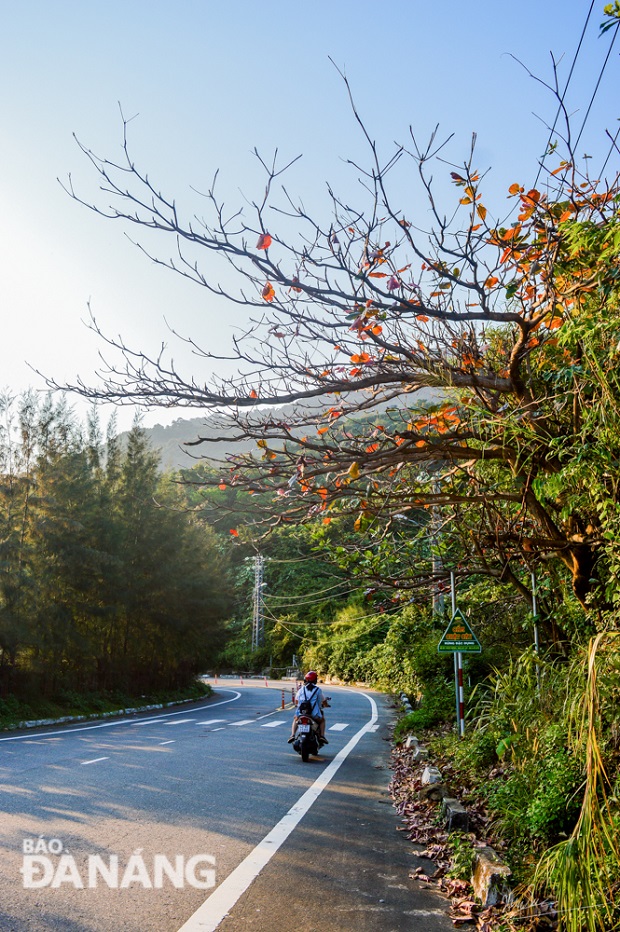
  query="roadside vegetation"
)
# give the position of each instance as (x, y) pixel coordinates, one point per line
(16, 712)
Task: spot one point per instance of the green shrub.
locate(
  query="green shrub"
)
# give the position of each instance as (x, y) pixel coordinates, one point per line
(461, 856)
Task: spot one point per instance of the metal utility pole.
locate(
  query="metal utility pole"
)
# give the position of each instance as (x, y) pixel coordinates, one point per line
(536, 638)
(438, 601)
(258, 620)
(535, 613)
(458, 671)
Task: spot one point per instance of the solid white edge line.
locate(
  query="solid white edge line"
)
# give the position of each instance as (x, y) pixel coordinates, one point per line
(95, 761)
(208, 916)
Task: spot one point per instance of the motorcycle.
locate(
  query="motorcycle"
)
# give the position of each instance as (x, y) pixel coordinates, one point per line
(307, 740)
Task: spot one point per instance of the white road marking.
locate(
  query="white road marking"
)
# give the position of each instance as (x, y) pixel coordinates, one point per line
(339, 726)
(214, 909)
(181, 721)
(122, 721)
(273, 724)
(95, 761)
(172, 741)
(211, 721)
(218, 729)
(245, 721)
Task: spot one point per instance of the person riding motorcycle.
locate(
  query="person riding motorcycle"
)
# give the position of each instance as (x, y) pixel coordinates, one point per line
(313, 694)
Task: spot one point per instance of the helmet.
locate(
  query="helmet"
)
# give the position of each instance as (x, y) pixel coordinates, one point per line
(311, 677)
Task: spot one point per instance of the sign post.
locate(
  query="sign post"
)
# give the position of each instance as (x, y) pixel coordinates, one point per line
(458, 638)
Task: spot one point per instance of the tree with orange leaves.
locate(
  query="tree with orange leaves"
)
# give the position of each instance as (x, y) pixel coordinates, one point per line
(508, 324)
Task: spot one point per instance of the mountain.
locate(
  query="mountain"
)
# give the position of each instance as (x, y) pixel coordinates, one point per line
(172, 440)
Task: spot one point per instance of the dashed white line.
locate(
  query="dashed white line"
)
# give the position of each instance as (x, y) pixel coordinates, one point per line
(94, 761)
(171, 741)
(180, 721)
(246, 721)
(211, 721)
(339, 726)
(273, 724)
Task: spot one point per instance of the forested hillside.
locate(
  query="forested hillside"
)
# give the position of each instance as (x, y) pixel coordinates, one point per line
(106, 583)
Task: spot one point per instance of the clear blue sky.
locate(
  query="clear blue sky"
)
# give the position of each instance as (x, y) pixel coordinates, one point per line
(212, 80)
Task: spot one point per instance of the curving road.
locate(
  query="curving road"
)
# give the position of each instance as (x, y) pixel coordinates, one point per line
(203, 817)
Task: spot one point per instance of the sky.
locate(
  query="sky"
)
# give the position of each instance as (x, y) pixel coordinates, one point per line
(206, 83)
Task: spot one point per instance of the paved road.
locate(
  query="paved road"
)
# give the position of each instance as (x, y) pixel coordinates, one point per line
(207, 793)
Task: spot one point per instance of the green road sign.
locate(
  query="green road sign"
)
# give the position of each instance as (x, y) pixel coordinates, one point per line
(458, 637)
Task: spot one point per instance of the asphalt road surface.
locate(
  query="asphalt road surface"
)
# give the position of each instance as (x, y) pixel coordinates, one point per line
(203, 817)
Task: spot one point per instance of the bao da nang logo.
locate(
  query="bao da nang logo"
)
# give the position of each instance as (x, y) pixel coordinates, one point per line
(47, 864)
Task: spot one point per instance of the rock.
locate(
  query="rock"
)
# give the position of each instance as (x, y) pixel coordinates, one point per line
(434, 791)
(411, 742)
(420, 754)
(490, 877)
(431, 775)
(455, 815)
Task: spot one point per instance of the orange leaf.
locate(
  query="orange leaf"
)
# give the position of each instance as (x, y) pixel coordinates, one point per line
(511, 233)
(264, 241)
(360, 357)
(377, 275)
(491, 280)
(372, 447)
(253, 394)
(268, 292)
(377, 330)
(555, 323)
(234, 532)
(481, 211)
(420, 443)
(327, 520)
(422, 318)
(515, 189)
(322, 430)
(222, 486)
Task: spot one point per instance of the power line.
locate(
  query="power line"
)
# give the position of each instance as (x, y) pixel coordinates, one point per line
(292, 599)
(600, 77)
(309, 624)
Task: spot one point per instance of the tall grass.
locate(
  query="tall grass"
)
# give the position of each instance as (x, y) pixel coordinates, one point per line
(583, 872)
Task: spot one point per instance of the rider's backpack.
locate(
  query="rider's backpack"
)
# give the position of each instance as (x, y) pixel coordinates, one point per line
(305, 707)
